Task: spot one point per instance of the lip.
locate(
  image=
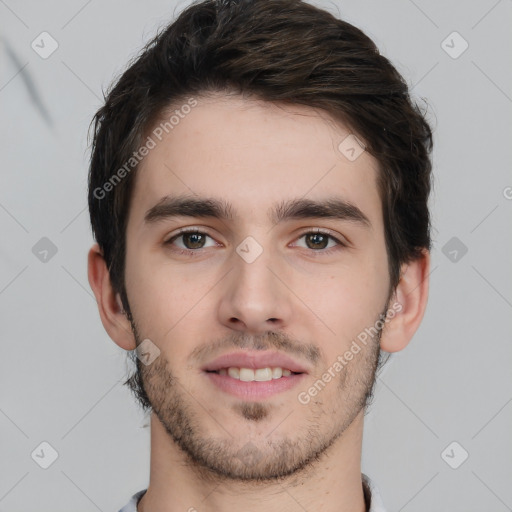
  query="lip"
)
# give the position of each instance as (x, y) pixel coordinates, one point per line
(254, 360)
(254, 390)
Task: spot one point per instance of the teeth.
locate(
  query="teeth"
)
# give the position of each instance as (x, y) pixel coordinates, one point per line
(259, 375)
(263, 374)
(234, 372)
(277, 373)
(246, 374)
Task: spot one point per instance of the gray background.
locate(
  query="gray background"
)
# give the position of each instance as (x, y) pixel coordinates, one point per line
(60, 374)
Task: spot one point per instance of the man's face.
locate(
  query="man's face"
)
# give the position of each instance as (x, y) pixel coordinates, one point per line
(253, 293)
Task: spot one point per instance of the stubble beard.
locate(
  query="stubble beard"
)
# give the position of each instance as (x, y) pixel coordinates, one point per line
(226, 457)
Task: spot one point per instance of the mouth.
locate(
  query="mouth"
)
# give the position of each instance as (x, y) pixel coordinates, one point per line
(253, 375)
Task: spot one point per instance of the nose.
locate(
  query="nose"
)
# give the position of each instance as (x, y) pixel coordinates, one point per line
(253, 296)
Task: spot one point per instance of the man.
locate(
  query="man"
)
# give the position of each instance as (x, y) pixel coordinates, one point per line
(258, 190)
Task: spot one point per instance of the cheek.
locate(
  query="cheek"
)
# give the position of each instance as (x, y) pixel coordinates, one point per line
(166, 303)
(348, 301)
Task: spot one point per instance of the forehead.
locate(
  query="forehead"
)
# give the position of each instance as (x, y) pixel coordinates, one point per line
(254, 155)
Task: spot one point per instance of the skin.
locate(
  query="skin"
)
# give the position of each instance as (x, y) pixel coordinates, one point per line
(210, 450)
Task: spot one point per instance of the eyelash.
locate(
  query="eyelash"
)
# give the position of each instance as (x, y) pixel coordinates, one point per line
(192, 252)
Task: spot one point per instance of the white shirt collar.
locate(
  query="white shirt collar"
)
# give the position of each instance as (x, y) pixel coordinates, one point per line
(370, 489)
(376, 504)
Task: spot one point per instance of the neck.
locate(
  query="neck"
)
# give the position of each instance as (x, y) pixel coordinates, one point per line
(331, 484)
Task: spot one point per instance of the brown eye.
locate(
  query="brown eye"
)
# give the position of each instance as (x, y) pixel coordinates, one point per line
(193, 240)
(317, 240)
(190, 241)
(320, 242)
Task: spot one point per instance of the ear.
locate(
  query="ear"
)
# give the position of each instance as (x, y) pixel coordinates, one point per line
(112, 315)
(410, 298)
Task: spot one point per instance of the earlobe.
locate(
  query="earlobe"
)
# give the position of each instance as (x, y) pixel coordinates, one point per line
(112, 314)
(412, 295)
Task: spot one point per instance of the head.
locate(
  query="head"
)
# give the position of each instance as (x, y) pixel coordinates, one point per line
(260, 123)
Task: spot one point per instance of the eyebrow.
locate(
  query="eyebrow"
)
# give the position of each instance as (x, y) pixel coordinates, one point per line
(192, 206)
